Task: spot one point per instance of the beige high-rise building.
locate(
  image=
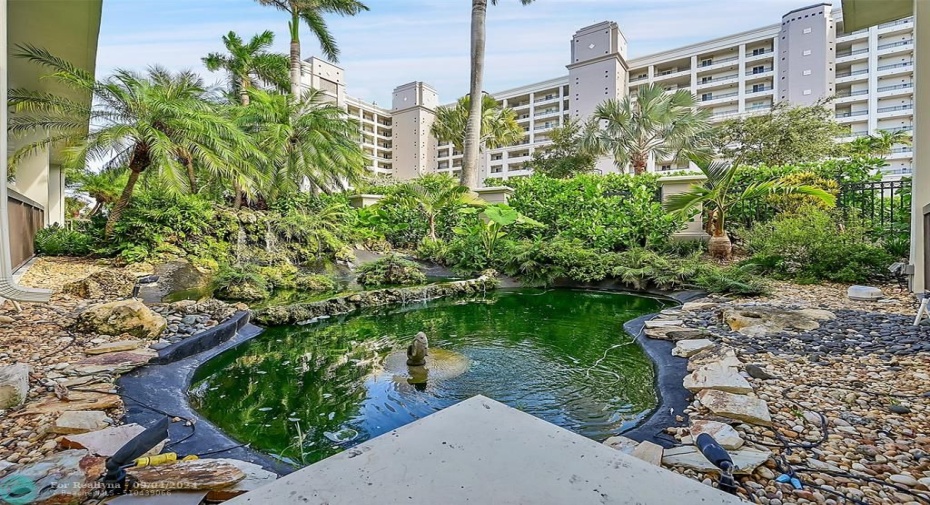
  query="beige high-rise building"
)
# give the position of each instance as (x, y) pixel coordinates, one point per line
(805, 57)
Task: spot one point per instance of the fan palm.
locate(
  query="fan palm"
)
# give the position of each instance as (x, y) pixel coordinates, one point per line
(717, 194)
(310, 144)
(247, 62)
(499, 126)
(473, 128)
(158, 121)
(433, 193)
(649, 123)
(311, 12)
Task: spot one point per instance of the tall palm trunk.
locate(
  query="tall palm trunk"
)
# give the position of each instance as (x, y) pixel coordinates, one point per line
(432, 227)
(244, 84)
(191, 176)
(295, 56)
(117, 212)
(469, 176)
(719, 246)
(639, 165)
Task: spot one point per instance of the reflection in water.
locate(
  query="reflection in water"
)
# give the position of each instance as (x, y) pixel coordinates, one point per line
(304, 393)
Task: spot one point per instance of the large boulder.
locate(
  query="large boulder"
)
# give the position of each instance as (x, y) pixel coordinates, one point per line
(14, 385)
(103, 284)
(761, 320)
(124, 316)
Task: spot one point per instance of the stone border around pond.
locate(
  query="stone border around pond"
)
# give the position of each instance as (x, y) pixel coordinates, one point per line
(176, 365)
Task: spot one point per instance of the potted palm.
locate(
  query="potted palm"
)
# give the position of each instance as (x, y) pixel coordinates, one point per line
(718, 195)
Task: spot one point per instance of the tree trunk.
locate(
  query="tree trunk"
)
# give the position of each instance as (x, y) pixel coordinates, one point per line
(295, 57)
(432, 227)
(97, 206)
(639, 165)
(469, 176)
(121, 204)
(720, 247)
(191, 176)
(237, 200)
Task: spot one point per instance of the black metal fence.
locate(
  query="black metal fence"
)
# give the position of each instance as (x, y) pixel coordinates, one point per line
(878, 205)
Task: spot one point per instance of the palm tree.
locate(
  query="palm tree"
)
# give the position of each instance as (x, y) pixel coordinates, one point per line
(499, 126)
(433, 193)
(472, 144)
(247, 62)
(883, 141)
(104, 187)
(310, 144)
(715, 193)
(311, 12)
(650, 123)
(158, 121)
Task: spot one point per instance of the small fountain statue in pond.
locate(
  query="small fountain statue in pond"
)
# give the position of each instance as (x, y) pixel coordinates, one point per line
(418, 350)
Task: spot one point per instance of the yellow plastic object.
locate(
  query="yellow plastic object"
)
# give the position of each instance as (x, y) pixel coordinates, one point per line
(168, 457)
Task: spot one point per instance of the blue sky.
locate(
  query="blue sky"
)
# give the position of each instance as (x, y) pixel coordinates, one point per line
(399, 41)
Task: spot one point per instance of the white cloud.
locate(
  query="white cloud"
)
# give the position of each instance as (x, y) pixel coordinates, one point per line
(405, 40)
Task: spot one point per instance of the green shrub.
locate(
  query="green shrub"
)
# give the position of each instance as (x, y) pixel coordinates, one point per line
(241, 282)
(58, 241)
(391, 270)
(315, 283)
(432, 250)
(733, 279)
(611, 212)
(812, 245)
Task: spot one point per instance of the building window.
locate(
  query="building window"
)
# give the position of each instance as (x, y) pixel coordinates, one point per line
(806, 72)
(807, 91)
(707, 96)
(707, 62)
(758, 69)
(666, 167)
(807, 30)
(706, 79)
(758, 87)
(807, 52)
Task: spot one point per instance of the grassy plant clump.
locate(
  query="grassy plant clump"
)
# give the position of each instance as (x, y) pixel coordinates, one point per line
(392, 270)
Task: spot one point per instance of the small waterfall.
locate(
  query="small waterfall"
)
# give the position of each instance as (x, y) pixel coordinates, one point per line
(271, 240)
(240, 244)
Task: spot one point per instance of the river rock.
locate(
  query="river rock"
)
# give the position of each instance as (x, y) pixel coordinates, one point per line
(255, 477)
(740, 407)
(103, 284)
(760, 320)
(200, 474)
(698, 306)
(688, 348)
(80, 421)
(124, 316)
(715, 376)
(122, 345)
(14, 385)
(746, 460)
(864, 293)
(65, 477)
(757, 372)
(77, 400)
(724, 434)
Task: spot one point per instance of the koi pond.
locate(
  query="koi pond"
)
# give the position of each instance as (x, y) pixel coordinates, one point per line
(303, 393)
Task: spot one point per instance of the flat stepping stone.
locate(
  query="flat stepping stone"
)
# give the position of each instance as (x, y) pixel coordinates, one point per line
(622, 444)
(688, 348)
(663, 323)
(698, 306)
(103, 442)
(760, 320)
(122, 345)
(740, 407)
(14, 385)
(80, 421)
(723, 433)
(64, 477)
(720, 355)
(649, 452)
(746, 460)
(864, 293)
(114, 362)
(77, 400)
(255, 477)
(200, 474)
(718, 377)
(675, 333)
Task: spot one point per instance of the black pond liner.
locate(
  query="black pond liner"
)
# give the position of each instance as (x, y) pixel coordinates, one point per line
(163, 384)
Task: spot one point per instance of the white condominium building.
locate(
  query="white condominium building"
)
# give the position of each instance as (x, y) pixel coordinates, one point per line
(804, 58)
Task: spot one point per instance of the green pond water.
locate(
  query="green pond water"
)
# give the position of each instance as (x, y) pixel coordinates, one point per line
(303, 393)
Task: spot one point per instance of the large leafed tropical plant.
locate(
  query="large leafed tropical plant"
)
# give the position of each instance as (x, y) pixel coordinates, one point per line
(717, 195)
(158, 121)
(434, 193)
(472, 144)
(310, 144)
(311, 12)
(651, 123)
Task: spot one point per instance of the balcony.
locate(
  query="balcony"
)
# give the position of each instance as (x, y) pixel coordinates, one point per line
(670, 74)
(853, 35)
(853, 75)
(894, 108)
(762, 52)
(840, 115)
(544, 127)
(717, 80)
(546, 98)
(899, 43)
(893, 26)
(762, 89)
(899, 129)
(545, 112)
(639, 78)
(907, 85)
(852, 52)
(845, 94)
(710, 97)
(758, 108)
(759, 73)
(895, 65)
(717, 61)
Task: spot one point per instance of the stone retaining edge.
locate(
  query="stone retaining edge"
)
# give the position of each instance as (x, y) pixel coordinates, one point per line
(203, 341)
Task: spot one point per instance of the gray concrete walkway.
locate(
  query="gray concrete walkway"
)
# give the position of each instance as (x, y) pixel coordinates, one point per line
(483, 452)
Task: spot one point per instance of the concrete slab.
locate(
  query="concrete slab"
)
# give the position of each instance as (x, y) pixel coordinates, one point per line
(481, 451)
